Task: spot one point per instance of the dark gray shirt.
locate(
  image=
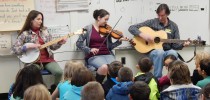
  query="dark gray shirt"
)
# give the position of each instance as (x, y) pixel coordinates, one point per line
(156, 25)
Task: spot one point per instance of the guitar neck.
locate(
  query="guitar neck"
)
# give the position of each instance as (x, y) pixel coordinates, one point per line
(173, 41)
(55, 41)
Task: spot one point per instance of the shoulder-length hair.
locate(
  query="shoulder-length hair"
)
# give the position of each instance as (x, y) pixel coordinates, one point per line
(31, 16)
(28, 76)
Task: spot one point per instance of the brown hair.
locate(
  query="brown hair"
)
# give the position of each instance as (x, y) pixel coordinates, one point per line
(26, 77)
(179, 73)
(92, 91)
(70, 67)
(162, 7)
(31, 16)
(140, 91)
(81, 77)
(205, 65)
(206, 91)
(37, 92)
(125, 74)
(101, 13)
(145, 64)
(114, 67)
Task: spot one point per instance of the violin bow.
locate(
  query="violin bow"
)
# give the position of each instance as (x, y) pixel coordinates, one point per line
(110, 32)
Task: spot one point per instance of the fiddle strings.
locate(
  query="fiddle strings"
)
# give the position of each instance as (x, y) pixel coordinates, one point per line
(109, 34)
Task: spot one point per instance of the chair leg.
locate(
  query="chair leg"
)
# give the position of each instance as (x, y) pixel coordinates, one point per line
(52, 88)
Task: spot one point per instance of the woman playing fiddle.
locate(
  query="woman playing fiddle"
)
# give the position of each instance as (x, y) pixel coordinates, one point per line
(98, 47)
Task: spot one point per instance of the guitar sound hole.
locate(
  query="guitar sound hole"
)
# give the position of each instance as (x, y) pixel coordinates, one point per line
(146, 43)
(157, 40)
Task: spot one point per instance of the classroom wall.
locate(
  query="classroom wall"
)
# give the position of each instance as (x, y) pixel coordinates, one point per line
(10, 65)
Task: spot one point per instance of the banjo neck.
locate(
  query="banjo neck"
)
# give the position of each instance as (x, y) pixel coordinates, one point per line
(81, 31)
(55, 41)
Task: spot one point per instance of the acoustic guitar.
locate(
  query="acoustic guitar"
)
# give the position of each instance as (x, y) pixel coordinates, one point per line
(160, 37)
(32, 55)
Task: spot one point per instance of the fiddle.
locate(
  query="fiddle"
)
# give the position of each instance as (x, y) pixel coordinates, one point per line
(107, 30)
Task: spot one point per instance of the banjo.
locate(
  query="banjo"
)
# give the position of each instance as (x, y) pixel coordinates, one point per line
(32, 55)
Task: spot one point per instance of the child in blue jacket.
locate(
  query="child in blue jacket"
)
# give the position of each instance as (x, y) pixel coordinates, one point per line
(120, 91)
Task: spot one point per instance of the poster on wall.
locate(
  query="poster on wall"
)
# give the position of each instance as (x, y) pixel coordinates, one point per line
(13, 13)
(72, 5)
(5, 43)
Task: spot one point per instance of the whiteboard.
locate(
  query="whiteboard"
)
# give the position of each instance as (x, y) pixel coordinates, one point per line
(192, 22)
(72, 5)
(56, 21)
(51, 17)
(191, 16)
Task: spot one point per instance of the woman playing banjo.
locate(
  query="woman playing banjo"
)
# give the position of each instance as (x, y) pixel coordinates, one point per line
(32, 35)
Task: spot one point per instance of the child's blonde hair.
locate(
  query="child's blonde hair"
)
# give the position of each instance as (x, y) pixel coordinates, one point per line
(37, 92)
(199, 56)
(70, 67)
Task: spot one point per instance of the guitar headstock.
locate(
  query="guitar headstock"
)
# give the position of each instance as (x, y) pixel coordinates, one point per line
(80, 31)
(198, 42)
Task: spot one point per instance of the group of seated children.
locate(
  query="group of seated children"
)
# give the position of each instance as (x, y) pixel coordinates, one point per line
(79, 83)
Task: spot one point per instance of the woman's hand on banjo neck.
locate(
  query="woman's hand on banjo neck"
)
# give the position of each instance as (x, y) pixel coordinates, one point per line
(63, 41)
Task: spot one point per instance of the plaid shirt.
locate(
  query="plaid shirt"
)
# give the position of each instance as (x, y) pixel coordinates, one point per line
(181, 94)
(31, 37)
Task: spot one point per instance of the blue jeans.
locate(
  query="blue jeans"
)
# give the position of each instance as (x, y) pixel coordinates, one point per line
(157, 56)
(98, 61)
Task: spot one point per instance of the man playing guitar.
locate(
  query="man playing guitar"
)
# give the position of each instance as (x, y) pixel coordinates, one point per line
(160, 23)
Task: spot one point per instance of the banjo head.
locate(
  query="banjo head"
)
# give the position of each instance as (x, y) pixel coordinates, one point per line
(30, 56)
